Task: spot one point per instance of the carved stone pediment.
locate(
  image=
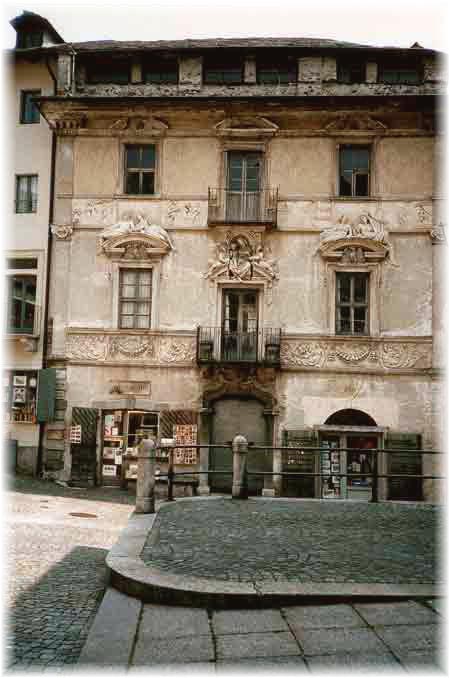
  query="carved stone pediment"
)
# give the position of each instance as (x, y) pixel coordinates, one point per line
(242, 257)
(246, 126)
(355, 123)
(134, 239)
(355, 241)
(354, 251)
(220, 382)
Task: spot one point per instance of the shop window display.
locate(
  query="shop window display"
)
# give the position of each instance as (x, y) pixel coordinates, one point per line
(19, 396)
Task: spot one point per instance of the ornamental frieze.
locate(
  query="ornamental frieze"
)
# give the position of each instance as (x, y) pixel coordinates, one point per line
(120, 347)
(381, 354)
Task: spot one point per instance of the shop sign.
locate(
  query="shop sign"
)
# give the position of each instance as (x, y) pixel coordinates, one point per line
(108, 470)
(75, 434)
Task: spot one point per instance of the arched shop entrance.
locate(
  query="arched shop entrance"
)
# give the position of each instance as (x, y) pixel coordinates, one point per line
(346, 438)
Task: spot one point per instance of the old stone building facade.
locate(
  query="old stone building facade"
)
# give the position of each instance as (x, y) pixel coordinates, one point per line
(245, 241)
(31, 73)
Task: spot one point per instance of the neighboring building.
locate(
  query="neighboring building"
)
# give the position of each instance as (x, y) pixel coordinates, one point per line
(32, 74)
(244, 244)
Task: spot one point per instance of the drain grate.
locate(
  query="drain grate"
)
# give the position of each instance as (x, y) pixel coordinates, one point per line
(83, 515)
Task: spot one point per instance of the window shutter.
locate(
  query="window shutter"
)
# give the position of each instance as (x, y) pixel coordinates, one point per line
(404, 462)
(46, 395)
(298, 486)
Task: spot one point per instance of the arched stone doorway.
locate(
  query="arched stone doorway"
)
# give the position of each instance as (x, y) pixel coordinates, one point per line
(347, 438)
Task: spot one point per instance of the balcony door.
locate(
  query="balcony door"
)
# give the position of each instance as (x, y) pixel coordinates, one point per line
(244, 175)
(239, 326)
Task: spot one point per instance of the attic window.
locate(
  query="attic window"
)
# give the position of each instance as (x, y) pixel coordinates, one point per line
(27, 39)
(350, 72)
(270, 72)
(108, 70)
(223, 71)
(405, 72)
(158, 71)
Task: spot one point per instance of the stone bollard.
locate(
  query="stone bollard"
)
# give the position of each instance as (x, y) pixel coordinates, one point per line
(145, 486)
(240, 449)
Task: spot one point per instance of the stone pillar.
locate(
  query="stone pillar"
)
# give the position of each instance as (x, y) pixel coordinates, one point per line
(204, 437)
(240, 449)
(145, 486)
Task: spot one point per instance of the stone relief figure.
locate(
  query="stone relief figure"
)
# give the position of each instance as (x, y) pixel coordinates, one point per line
(137, 222)
(366, 226)
(238, 259)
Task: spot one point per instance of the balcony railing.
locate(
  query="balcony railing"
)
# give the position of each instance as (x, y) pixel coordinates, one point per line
(242, 207)
(216, 345)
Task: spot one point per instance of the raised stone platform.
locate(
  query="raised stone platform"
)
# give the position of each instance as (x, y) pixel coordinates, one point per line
(215, 551)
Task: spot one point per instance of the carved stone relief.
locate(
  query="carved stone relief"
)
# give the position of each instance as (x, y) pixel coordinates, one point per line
(437, 234)
(383, 355)
(187, 213)
(221, 381)
(365, 226)
(104, 347)
(135, 238)
(63, 231)
(95, 212)
(246, 126)
(242, 257)
(355, 123)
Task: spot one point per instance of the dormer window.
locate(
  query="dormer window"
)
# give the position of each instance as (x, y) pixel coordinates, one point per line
(27, 39)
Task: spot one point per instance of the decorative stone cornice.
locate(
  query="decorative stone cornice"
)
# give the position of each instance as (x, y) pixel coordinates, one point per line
(355, 123)
(357, 354)
(246, 127)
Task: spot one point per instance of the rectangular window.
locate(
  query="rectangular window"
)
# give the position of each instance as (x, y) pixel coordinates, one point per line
(280, 73)
(160, 71)
(403, 71)
(26, 193)
(351, 72)
(19, 396)
(352, 303)
(223, 72)
(354, 171)
(108, 70)
(135, 299)
(22, 303)
(21, 263)
(29, 112)
(140, 170)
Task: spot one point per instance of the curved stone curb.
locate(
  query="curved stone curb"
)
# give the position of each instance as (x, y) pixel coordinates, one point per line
(130, 575)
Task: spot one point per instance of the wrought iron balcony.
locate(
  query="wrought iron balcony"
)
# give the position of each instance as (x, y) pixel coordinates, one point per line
(242, 207)
(216, 345)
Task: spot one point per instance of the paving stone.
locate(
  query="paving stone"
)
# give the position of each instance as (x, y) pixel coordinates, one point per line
(165, 621)
(256, 645)
(173, 650)
(263, 664)
(112, 634)
(322, 616)
(201, 667)
(335, 641)
(401, 638)
(362, 663)
(412, 660)
(405, 612)
(248, 621)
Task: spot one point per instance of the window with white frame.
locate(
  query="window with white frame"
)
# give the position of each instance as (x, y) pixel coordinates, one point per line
(26, 193)
(352, 303)
(135, 298)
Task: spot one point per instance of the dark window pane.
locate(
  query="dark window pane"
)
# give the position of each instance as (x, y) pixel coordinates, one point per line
(132, 185)
(132, 156)
(148, 182)
(148, 157)
(359, 320)
(345, 185)
(160, 71)
(352, 72)
(344, 319)
(360, 283)
(362, 184)
(360, 158)
(29, 111)
(344, 288)
(108, 70)
(21, 263)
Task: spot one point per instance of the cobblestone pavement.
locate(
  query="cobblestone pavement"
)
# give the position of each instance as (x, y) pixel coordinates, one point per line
(56, 567)
(305, 541)
(394, 637)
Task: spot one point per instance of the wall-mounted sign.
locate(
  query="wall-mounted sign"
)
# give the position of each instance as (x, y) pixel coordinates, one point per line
(75, 434)
(108, 470)
(131, 472)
